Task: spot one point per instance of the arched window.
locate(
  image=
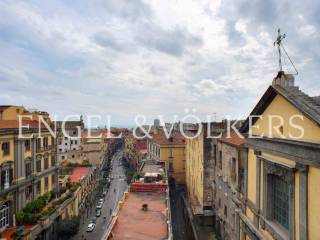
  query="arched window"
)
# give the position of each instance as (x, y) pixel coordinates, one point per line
(4, 216)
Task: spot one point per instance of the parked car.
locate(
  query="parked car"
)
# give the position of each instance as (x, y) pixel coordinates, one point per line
(98, 213)
(101, 200)
(99, 205)
(91, 226)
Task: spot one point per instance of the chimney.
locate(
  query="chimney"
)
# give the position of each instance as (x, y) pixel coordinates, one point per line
(283, 80)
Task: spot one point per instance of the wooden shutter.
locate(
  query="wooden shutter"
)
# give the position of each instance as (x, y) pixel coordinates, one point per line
(10, 175)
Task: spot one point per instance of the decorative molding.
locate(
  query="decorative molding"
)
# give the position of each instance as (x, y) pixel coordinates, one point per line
(305, 153)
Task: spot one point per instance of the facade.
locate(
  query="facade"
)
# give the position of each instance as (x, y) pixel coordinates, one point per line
(94, 146)
(28, 165)
(228, 183)
(282, 198)
(200, 168)
(171, 153)
(85, 177)
(69, 144)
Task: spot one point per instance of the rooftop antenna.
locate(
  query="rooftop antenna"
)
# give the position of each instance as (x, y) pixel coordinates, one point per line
(280, 46)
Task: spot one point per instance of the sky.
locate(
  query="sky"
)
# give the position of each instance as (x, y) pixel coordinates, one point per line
(170, 57)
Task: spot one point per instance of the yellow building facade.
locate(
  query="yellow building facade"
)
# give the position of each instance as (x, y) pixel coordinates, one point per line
(194, 173)
(28, 165)
(171, 152)
(282, 199)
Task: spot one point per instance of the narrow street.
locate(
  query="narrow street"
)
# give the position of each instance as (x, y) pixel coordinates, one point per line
(117, 187)
(177, 214)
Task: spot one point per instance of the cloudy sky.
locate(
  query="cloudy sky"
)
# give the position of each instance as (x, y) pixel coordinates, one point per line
(127, 57)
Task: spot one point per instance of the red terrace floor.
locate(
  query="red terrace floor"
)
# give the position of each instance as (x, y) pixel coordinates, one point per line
(135, 224)
(6, 234)
(78, 173)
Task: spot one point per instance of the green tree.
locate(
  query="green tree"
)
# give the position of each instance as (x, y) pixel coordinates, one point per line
(68, 228)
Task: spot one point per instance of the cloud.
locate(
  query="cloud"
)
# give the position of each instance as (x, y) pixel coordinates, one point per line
(209, 87)
(123, 57)
(172, 41)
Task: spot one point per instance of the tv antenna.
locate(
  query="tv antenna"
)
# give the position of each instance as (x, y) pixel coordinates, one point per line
(280, 46)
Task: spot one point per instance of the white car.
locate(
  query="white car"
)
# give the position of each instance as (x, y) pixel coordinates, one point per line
(101, 200)
(99, 206)
(91, 226)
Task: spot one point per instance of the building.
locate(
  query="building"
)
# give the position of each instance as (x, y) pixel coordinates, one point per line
(171, 153)
(28, 165)
(228, 183)
(69, 143)
(200, 167)
(143, 212)
(94, 146)
(85, 177)
(282, 198)
(11, 112)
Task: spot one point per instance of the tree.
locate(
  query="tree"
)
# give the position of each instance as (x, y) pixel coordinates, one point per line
(68, 228)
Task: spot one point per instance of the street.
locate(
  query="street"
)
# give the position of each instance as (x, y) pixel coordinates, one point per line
(117, 187)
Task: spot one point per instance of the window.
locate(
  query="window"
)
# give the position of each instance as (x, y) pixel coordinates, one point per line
(75, 141)
(39, 187)
(280, 201)
(6, 177)
(225, 211)
(72, 156)
(233, 173)
(219, 203)
(46, 183)
(27, 145)
(4, 216)
(220, 159)
(214, 153)
(46, 163)
(53, 179)
(45, 142)
(38, 165)
(28, 192)
(53, 162)
(66, 144)
(170, 166)
(170, 152)
(6, 148)
(281, 129)
(28, 169)
(38, 144)
(71, 142)
(62, 157)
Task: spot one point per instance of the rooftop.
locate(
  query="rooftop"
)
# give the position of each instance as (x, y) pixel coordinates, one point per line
(97, 133)
(78, 174)
(14, 124)
(233, 139)
(135, 223)
(174, 139)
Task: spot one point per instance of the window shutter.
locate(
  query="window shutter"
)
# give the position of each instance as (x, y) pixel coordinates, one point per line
(3, 175)
(10, 175)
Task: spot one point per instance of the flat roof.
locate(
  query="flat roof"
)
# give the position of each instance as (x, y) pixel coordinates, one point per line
(134, 223)
(78, 174)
